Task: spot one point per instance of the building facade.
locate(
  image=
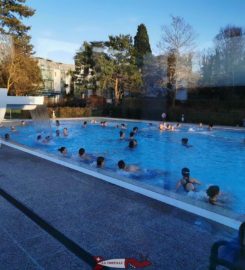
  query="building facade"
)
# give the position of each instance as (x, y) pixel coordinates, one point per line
(57, 77)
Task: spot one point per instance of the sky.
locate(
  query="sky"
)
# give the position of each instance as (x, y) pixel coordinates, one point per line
(59, 27)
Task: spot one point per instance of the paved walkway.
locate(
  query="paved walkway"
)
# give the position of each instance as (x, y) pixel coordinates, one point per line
(103, 219)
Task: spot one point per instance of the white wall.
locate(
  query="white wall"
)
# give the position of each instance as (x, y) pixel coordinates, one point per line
(57, 80)
(16, 100)
(3, 94)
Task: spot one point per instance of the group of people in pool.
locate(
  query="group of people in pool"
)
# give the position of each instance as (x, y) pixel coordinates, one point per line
(100, 161)
(13, 129)
(168, 127)
(189, 184)
(132, 141)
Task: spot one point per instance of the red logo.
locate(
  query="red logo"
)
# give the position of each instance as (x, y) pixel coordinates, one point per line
(120, 263)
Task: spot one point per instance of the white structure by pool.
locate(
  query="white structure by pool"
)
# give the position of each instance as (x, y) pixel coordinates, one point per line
(22, 103)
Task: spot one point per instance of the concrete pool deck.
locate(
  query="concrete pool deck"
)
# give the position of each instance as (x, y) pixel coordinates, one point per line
(103, 219)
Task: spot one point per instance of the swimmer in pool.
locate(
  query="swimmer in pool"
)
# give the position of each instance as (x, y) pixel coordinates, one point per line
(213, 192)
(189, 184)
(132, 144)
(123, 126)
(185, 143)
(171, 128)
(131, 135)
(47, 139)
(63, 150)
(13, 129)
(83, 156)
(84, 124)
(39, 138)
(100, 162)
(57, 122)
(6, 136)
(162, 127)
(65, 132)
(128, 168)
(122, 135)
(135, 130)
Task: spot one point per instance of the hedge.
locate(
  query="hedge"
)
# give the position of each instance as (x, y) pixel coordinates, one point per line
(67, 112)
(229, 118)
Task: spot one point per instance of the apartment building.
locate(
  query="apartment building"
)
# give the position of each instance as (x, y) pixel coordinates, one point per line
(56, 76)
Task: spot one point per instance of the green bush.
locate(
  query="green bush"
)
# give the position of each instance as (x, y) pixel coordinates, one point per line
(231, 118)
(67, 112)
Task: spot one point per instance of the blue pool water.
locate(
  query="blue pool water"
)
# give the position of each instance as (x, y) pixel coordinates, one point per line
(216, 157)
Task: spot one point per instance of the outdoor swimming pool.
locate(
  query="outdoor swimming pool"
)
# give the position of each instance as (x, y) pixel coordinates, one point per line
(216, 157)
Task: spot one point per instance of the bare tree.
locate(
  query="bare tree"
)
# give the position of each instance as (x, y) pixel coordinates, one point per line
(178, 36)
(230, 45)
(178, 45)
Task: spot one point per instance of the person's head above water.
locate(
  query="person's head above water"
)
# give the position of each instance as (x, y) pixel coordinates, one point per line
(132, 143)
(184, 141)
(121, 164)
(100, 162)
(39, 137)
(81, 152)
(6, 136)
(62, 150)
(65, 132)
(48, 138)
(135, 129)
(213, 191)
(185, 172)
(131, 134)
(122, 134)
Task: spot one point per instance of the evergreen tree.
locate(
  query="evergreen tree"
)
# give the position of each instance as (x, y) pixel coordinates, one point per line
(109, 66)
(11, 14)
(126, 75)
(84, 71)
(141, 45)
